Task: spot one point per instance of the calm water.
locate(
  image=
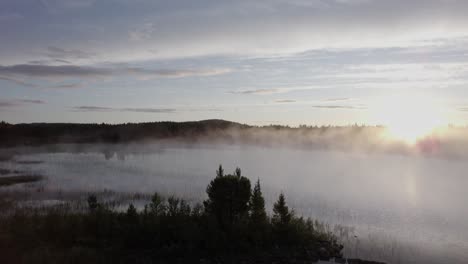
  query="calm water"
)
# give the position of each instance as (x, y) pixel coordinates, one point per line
(398, 208)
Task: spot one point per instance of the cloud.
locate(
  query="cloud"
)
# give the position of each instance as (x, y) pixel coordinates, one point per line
(67, 85)
(7, 104)
(141, 109)
(31, 101)
(60, 54)
(53, 61)
(257, 91)
(73, 71)
(149, 110)
(20, 102)
(16, 81)
(92, 108)
(337, 99)
(59, 5)
(285, 101)
(278, 90)
(339, 107)
(32, 70)
(174, 73)
(112, 109)
(179, 29)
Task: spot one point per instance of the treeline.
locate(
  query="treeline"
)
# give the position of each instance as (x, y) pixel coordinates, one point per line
(54, 133)
(231, 226)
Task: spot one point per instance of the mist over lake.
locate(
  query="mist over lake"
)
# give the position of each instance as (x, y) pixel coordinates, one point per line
(399, 208)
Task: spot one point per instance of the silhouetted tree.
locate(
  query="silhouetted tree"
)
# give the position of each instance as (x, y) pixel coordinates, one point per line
(157, 206)
(281, 214)
(258, 223)
(92, 202)
(258, 214)
(228, 197)
(131, 211)
(173, 206)
(220, 171)
(184, 208)
(283, 230)
(238, 172)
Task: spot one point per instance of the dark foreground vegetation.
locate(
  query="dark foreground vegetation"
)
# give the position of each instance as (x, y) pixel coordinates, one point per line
(231, 226)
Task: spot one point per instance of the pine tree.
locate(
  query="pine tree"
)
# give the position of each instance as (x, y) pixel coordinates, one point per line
(281, 214)
(92, 202)
(238, 172)
(157, 206)
(131, 211)
(258, 214)
(258, 224)
(228, 197)
(220, 171)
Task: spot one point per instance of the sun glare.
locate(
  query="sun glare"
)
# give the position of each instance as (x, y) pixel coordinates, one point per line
(408, 118)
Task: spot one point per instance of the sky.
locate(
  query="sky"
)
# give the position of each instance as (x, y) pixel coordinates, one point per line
(288, 62)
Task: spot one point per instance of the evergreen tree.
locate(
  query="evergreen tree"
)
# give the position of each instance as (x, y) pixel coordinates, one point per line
(132, 212)
(258, 214)
(238, 172)
(157, 206)
(173, 206)
(258, 224)
(220, 171)
(228, 197)
(281, 214)
(92, 202)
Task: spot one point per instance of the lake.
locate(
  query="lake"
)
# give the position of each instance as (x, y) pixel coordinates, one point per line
(398, 208)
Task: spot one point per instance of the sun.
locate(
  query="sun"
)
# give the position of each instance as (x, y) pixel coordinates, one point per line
(408, 118)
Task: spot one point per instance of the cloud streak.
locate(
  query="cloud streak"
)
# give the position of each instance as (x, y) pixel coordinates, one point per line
(61, 55)
(113, 109)
(141, 109)
(20, 102)
(351, 107)
(337, 99)
(258, 91)
(17, 81)
(73, 71)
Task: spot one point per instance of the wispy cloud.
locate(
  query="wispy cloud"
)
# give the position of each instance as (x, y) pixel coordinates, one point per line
(360, 107)
(276, 90)
(7, 104)
(113, 109)
(19, 102)
(31, 101)
(73, 71)
(142, 109)
(32, 70)
(17, 81)
(61, 54)
(60, 5)
(337, 99)
(257, 91)
(67, 85)
(174, 73)
(285, 101)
